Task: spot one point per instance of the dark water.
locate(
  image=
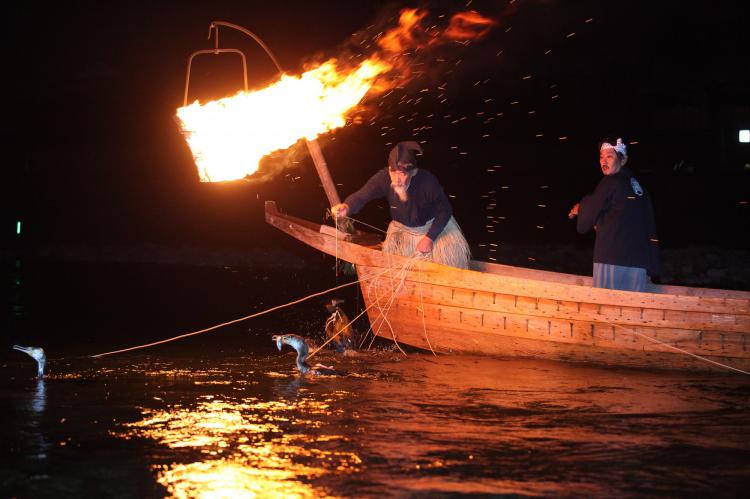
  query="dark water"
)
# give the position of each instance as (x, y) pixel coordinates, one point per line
(226, 415)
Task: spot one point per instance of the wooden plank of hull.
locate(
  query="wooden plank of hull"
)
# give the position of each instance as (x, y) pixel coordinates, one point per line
(542, 307)
(471, 280)
(454, 340)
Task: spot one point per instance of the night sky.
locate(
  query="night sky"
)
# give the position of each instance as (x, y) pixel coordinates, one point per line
(92, 154)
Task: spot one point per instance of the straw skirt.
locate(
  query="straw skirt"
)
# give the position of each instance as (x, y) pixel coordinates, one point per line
(450, 247)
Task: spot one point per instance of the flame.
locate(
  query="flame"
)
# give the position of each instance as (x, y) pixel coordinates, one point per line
(405, 35)
(228, 137)
(468, 26)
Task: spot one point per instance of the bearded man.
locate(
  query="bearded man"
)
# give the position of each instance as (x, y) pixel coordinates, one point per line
(422, 217)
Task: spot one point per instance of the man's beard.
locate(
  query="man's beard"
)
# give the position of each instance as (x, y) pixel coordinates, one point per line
(401, 192)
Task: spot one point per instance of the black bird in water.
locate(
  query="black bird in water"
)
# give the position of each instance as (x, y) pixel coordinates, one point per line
(37, 354)
(298, 343)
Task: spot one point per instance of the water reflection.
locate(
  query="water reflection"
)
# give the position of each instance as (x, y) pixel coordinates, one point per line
(36, 405)
(38, 400)
(246, 448)
(414, 426)
(458, 424)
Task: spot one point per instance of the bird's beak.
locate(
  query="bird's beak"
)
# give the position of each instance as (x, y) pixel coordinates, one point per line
(25, 350)
(277, 339)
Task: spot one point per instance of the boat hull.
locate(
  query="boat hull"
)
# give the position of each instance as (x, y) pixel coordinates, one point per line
(513, 312)
(449, 319)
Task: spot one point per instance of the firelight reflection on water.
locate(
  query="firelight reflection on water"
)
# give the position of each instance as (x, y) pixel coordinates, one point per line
(245, 448)
(250, 426)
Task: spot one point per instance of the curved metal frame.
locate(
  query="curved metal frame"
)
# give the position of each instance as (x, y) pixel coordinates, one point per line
(214, 28)
(215, 51)
(312, 145)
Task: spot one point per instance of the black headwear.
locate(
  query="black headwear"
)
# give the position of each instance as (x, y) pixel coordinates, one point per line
(403, 156)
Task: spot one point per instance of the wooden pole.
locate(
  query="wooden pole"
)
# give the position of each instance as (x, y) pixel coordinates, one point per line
(325, 176)
(344, 225)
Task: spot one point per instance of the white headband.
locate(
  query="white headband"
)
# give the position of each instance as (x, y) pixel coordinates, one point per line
(619, 147)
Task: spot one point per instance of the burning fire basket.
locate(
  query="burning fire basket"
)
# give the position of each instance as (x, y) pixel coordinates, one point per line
(312, 145)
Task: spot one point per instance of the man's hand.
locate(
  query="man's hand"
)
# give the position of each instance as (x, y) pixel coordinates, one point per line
(574, 211)
(340, 210)
(424, 245)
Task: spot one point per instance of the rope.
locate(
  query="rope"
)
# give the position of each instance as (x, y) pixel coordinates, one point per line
(336, 245)
(394, 291)
(365, 224)
(383, 314)
(201, 331)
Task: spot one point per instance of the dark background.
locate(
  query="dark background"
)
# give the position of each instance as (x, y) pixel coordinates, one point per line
(93, 158)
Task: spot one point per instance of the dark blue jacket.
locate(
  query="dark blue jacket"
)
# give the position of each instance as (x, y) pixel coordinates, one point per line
(623, 215)
(427, 200)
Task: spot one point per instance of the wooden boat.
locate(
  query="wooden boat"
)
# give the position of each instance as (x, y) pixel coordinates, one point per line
(515, 312)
